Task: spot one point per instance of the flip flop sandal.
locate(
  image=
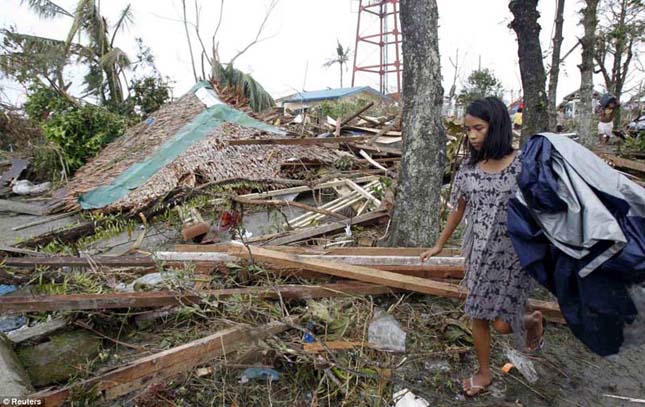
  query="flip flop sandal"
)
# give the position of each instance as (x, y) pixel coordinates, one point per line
(478, 389)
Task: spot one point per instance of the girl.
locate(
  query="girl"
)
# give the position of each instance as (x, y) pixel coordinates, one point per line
(497, 287)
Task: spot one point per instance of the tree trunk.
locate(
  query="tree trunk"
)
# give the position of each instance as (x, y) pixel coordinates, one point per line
(341, 75)
(617, 71)
(525, 24)
(416, 218)
(584, 113)
(554, 72)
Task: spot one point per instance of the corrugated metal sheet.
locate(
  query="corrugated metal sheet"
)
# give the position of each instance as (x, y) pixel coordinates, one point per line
(327, 94)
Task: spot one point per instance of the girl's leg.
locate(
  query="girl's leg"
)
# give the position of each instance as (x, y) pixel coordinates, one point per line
(532, 324)
(481, 339)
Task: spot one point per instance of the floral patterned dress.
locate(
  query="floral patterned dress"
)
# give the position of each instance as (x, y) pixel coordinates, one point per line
(497, 286)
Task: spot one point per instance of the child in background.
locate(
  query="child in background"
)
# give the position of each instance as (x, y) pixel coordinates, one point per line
(498, 288)
(606, 114)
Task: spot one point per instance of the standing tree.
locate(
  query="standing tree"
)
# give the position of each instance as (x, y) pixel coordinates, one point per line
(36, 60)
(622, 29)
(584, 113)
(416, 220)
(480, 84)
(525, 24)
(341, 58)
(554, 71)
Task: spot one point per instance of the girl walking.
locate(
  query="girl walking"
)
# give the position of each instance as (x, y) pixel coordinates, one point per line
(497, 287)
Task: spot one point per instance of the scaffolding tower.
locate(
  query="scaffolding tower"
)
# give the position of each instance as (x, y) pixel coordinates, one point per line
(388, 40)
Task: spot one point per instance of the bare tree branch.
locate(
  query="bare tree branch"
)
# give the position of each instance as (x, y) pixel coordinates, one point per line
(190, 45)
(257, 37)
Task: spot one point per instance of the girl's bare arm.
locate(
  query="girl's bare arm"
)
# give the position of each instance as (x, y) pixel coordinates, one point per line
(454, 219)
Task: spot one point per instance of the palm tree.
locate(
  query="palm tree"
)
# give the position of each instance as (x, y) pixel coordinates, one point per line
(342, 57)
(106, 62)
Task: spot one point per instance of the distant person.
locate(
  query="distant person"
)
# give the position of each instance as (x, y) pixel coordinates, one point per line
(517, 119)
(498, 288)
(559, 127)
(606, 114)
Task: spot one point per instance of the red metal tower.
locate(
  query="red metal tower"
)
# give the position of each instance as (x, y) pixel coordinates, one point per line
(388, 40)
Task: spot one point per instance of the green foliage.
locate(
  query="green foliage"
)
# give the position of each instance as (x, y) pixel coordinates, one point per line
(43, 101)
(342, 108)
(82, 131)
(147, 95)
(259, 98)
(480, 83)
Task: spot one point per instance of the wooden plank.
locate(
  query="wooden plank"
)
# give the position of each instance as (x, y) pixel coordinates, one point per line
(298, 141)
(45, 220)
(623, 162)
(39, 330)
(294, 190)
(435, 267)
(375, 131)
(329, 228)
(73, 261)
(369, 275)
(356, 114)
(173, 361)
(363, 192)
(21, 207)
(365, 274)
(355, 250)
(277, 202)
(70, 302)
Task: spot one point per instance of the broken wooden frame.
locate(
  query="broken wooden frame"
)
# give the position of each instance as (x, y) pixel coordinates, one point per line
(163, 365)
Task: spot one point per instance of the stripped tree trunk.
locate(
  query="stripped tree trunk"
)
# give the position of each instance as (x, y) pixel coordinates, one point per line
(584, 113)
(416, 220)
(525, 24)
(554, 72)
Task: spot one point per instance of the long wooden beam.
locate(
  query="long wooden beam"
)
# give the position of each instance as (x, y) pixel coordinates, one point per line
(73, 261)
(162, 365)
(75, 302)
(353, 251)
(370, 275)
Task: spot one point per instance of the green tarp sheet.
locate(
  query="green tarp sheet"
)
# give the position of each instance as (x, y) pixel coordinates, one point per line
(138, 173)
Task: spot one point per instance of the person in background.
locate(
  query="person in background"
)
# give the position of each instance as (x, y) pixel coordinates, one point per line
(517, 119)
(559, 127)
(606, 113)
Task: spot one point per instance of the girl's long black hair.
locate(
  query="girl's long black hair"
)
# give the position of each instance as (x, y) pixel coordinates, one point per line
(498, 142)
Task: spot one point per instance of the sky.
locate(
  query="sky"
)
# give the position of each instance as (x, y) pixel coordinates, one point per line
(301, 35)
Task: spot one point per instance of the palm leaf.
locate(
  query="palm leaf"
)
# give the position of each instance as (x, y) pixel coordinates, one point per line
(125, 19)
(114, 57)
(259, 98)
(46, 8)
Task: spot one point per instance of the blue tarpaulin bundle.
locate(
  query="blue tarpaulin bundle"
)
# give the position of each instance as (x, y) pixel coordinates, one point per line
(578, 227)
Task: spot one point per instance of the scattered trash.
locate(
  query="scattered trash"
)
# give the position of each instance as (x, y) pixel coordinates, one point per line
(507, 368)
(522, 364)
(309, 337)
(385, 332)
(26, 187)
(155, 280)
(436, 366)
(10, 323)
(259, 373)
(150, 121)
(405, 398)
